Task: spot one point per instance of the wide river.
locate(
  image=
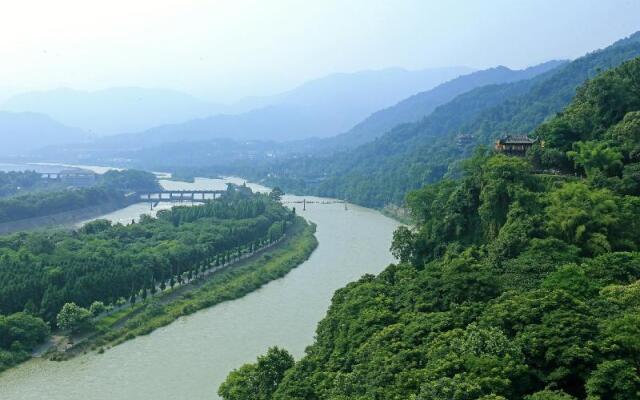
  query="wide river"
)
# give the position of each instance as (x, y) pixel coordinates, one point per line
(191, 357)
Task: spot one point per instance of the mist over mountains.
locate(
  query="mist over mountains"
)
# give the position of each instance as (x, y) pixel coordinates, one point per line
(361, 105)
(162, 148)
(114, 110)
(411, 155)
(320, 107)
(26, 131)
(322, 116)
(420, 105)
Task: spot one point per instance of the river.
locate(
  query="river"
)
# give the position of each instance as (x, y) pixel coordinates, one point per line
(191, 357)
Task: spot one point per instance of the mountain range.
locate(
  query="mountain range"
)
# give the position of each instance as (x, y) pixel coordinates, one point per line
(114, 110)
(411, 155)
(321, 107)
(208, 152)
(142, 149)
(26, 131)
(420, 105)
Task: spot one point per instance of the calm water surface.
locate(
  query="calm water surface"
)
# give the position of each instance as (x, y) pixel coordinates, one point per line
(191, 357)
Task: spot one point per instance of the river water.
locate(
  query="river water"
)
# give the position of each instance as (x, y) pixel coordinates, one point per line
(191, 357)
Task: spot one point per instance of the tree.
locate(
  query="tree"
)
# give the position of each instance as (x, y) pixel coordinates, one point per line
(276, 193)
(97, 307)
(470, 363)
(73, 317)
(257, 381)
(550, 395)
(403, 244)
(240, 384)
(595, 156)
(583, 216)
(617, 379)
(503, 181)
(21, 330)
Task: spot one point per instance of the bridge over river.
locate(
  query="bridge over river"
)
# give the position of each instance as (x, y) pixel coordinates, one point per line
(179, 195)
(304, 202)
(155, 197)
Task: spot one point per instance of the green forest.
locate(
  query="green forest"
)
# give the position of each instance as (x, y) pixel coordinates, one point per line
(42, 273)
(412, 155)
(111, 187)
(519, 280)
(14, 182)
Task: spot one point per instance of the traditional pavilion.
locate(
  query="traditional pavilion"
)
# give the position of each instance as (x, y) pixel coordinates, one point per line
(514, 145)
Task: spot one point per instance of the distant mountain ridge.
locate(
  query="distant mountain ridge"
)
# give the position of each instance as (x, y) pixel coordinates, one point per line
(114, 110)
(26, 131)
(420, 105)
(412, 155)
(146, 148)
(319, 108)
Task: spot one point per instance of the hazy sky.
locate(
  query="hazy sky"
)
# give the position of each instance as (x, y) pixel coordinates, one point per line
(224, 50)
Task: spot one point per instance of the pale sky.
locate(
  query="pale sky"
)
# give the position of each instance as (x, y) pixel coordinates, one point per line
(224, 50)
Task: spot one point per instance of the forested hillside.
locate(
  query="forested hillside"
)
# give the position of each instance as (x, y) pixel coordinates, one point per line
(413, 155)
(422, 104)
(514, 283)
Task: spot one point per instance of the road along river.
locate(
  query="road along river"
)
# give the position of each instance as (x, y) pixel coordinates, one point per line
(191, 357)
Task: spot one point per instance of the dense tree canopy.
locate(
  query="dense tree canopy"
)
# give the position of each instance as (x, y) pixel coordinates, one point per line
(412, 155)
(41, 271)
(19, 334)
(111, 187)
(514, 283)
(13, 182)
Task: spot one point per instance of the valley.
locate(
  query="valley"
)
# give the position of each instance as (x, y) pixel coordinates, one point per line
(283, 312)
(361, 200)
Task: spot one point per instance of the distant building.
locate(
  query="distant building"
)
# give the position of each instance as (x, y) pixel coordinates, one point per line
(77, 177)
(514, 145)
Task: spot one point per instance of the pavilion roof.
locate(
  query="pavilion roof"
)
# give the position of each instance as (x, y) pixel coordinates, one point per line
(517, 139)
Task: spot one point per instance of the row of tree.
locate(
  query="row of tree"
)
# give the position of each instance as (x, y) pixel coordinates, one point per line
(42, 271)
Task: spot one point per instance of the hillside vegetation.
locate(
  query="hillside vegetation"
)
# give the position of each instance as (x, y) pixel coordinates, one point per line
(420, 105)
(512, 285)
(412, 155)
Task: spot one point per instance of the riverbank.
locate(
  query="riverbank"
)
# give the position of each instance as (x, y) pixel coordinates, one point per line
(400, 214)
(61, 219)
(192, 356)
(232, 282)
